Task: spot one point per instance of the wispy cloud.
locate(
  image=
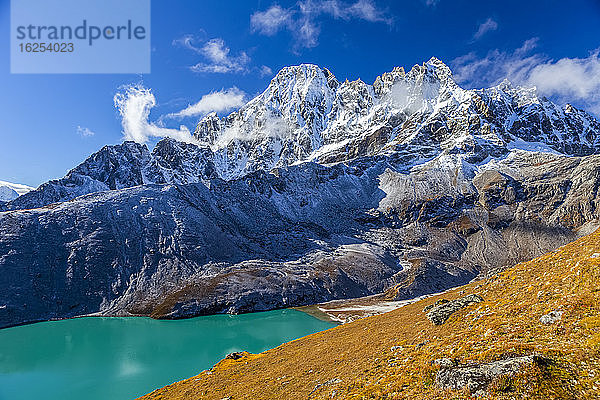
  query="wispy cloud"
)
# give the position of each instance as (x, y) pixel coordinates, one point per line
(220, 59)
(265, 71)
(487, 26)
(273, 126)
(270, 21)
(134, 102)
(217, 57)
(302, 20)
(473, 70)
(565, 80)
(571, 78)
(223, 100)
(84, 132)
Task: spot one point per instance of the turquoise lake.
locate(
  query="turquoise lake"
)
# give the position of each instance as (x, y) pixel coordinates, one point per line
(123, 358)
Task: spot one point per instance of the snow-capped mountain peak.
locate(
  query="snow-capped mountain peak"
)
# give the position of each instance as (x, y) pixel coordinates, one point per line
(307, 114)
(10, 191)
(411, 169)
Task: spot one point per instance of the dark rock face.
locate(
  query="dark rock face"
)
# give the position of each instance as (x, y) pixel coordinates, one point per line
(113, 167)
(183, 250)
(440, 313)
(301, 235)
(410, 198)
(122, 166)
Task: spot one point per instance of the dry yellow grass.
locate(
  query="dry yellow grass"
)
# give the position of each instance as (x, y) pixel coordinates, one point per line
(389, 356)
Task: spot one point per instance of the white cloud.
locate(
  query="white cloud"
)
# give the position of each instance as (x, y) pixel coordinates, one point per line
(406, 97)
(85, 132)
(270, 21)
(475, 71)
(365, 9)
(302, 19)
(217, 56)
(308, 33)
(577, 78)
(265, 71)
(220, 60)
(487, 26)
(223, 100)
(432, 3)
(362, 9)
(134, 103)
(565, 80)
(187, 41)
(273, 126)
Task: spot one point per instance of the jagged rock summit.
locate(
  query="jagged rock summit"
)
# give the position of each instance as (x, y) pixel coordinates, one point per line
(307, 114)
(314, 190)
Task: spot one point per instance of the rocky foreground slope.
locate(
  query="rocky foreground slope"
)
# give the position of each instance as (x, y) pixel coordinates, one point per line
(530, 332)
(315, 190)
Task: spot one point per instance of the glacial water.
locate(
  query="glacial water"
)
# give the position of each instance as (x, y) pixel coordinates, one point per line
(123, 358)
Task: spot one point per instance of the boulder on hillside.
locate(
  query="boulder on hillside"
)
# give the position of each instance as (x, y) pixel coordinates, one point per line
(476, 378)
(440, 313)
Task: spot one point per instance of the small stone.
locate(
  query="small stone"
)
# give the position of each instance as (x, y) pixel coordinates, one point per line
(444, 362)
(551, 317)
(236, 355)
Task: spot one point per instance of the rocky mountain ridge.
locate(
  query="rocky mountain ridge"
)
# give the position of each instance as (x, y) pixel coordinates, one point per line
(306, 114)
(122, 166)
(315, 190)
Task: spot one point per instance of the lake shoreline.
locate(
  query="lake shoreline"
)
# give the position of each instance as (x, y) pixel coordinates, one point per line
(98, 315)
(76, 357)
(337, 311)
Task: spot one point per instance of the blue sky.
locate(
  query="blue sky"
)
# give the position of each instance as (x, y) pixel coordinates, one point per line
(50, 123)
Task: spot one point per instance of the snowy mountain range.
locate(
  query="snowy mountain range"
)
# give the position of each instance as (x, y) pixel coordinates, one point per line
(10, 191)
(307, 114)
(316, 189)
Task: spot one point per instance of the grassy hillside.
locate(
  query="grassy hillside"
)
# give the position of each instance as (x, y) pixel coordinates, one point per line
(391, 356)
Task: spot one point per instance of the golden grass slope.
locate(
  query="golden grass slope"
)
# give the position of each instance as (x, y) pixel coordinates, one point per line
(389, 356)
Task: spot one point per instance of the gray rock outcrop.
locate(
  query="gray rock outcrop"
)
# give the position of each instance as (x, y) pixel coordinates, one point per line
(440, 313)
(476, 378)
